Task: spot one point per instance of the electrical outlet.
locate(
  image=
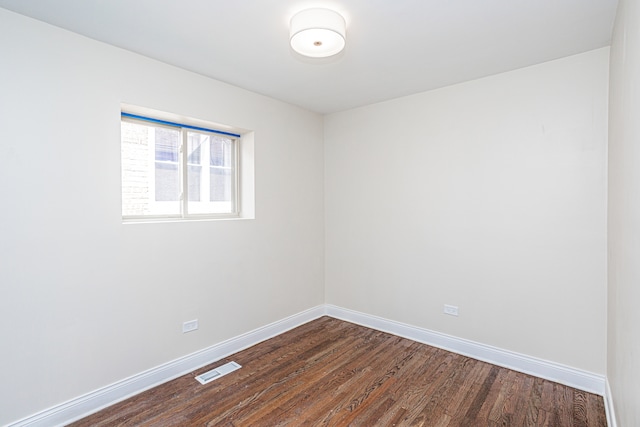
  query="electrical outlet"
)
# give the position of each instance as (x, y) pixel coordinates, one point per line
(451, 310)
(189, 326)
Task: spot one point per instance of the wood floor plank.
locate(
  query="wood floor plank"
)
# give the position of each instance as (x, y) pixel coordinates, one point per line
(333, 373)
(596, 414)
(580, 409)
(497, 413)
(448, 383)
(565, 405)
(462, 394)
(492, 398)
(548, 416)
(534, 402)
(519, 413)
(477, 395)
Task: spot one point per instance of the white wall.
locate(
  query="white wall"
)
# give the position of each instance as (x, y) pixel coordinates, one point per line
(489, 195)
(623, 356)
(86, 301)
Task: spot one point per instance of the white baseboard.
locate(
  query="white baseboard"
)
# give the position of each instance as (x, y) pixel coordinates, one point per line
(608, 406)
(562, 374)
(92, 402)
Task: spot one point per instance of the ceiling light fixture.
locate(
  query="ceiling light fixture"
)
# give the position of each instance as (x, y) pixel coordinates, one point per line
(317, 33)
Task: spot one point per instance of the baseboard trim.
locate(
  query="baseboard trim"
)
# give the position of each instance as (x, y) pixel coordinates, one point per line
(82, 406)
(608, 406)
(556, 372)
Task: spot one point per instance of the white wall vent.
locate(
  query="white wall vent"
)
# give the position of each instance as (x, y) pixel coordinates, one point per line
(218, 372)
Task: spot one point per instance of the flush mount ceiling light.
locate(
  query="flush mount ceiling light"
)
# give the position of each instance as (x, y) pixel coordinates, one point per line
(317, 33)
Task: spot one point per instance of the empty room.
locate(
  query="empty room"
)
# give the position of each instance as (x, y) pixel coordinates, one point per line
(300, 212)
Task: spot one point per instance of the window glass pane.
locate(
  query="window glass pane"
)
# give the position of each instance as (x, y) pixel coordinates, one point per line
(167, 182)
(167, 172)
(194, 147)
(150, 170)
(221, 151)
(167, 145)
(195, 181)
(220, 185)
(196, 144)
(135, 159)
(210, 173)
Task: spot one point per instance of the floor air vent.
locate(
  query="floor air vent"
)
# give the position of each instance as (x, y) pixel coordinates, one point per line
(218, 372)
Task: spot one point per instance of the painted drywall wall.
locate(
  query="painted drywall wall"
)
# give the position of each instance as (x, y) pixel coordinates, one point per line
(85, 300)
(488, 195)
(623, 355)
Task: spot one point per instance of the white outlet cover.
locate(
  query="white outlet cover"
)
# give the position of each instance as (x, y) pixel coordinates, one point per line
(451, 310)
(189, 326)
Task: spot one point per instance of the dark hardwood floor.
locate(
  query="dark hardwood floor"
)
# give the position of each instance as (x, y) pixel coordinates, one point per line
(334, 373)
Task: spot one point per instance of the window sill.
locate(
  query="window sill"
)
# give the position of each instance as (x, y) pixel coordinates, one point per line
(174, 220)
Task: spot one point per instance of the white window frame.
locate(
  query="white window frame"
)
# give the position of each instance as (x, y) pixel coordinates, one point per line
(184, 213)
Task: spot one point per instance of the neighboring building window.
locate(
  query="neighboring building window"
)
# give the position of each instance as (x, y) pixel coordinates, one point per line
(172, 170)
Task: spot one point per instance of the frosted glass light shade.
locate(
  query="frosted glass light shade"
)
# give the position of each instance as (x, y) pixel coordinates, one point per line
(317, 33)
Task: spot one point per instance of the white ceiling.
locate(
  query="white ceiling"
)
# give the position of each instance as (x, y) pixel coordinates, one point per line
(394, 47)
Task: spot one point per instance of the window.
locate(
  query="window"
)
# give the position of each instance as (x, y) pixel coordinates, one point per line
(172, 170)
